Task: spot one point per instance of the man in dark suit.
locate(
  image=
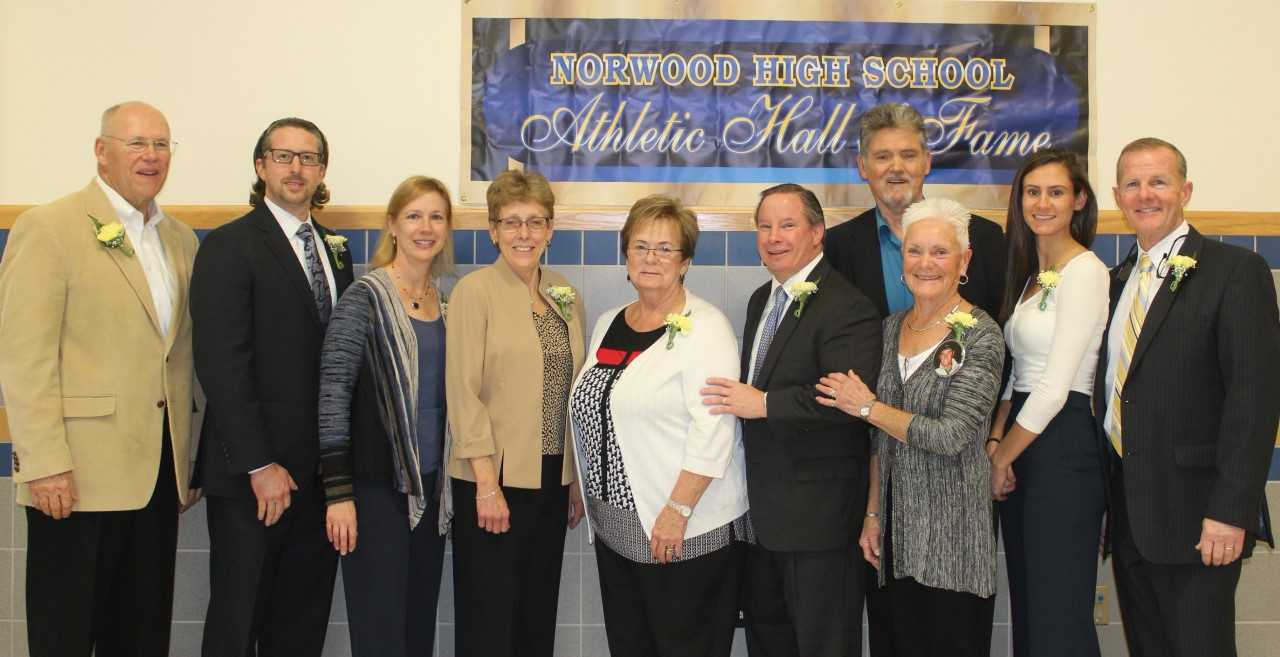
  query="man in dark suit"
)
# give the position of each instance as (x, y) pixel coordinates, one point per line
(894, 160)
(1186, 398)
(806, 463)
(262, 291)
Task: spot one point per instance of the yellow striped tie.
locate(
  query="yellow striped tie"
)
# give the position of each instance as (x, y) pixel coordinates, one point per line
(1132, 329)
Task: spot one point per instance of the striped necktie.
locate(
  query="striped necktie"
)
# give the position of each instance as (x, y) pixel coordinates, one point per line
(766, 332)
(1132, 329)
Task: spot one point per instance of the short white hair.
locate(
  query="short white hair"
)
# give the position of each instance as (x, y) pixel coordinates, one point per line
(950, 212)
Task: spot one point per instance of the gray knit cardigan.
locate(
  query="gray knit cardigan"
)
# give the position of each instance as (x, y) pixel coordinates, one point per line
(943, 534)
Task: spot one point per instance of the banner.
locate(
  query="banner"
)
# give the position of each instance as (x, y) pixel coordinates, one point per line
(674, 102)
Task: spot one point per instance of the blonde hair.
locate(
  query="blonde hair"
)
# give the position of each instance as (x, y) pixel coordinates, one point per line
(413, 188)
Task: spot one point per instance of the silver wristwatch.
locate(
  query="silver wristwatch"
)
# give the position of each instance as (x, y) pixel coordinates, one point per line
(864, 411)
(683, 510)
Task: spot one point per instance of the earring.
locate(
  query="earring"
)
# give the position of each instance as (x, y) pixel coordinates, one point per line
(964, 279)
(628, 278)
(548, 242)
(393, 239)
(902, 278)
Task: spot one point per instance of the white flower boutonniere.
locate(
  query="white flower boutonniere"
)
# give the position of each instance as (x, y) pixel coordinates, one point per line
(677, 325)
(337, 246)
(960, 323)
(1048, 280)
(801, 292)
(1180, 266)
(111, 235)
(564, 297)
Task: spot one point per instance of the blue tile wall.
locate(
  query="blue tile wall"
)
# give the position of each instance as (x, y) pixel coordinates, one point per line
(464, 247)
(1275, 465)
(4, 238)
(742, 249)
(6, 460)
(566, 248)
(1126, 243)
(1269, 247)
(486, 252)
(357, 244)
(711, 248)
(600, 247)
(202, 233)
(1104, 246)
(1242, 241)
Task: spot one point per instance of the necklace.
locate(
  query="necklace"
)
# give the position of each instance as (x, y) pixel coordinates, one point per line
(414, 299)
(930, 325)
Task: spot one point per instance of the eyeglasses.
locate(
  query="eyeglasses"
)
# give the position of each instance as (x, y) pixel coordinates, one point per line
(140, 144)
(661, 252)
(535, 224)
(284, 156)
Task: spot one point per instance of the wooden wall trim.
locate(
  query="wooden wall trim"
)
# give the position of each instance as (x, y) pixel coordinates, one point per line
(364, 217)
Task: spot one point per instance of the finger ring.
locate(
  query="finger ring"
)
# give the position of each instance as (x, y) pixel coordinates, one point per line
(1230, 547)
(669, 549)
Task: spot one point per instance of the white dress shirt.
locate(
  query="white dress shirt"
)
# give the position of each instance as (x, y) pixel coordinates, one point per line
(798, 277)
(1055, 350)
(149, 250)
(1115, 340)
(289, 224)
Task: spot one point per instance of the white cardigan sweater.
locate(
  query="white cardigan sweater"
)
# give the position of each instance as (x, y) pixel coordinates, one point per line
(663, 427)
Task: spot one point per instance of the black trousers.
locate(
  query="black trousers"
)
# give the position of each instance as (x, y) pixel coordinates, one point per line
(879, 617)
(681, 609)
(804, 604)
(101, 582)
(1052, 522)
(270, 588)
(1170, 610)
(506, 587)
(392, 579)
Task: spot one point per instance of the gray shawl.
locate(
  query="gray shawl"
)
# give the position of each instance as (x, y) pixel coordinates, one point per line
(369, 323)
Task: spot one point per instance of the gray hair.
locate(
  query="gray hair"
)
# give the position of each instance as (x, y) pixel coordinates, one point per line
(889, 115)
(1152, 144)
(951, 212)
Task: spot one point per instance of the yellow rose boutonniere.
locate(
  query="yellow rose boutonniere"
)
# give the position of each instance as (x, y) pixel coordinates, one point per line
(677, 325)
(1180, 266)
(960, 323)
(801, 292)
(1048, 280)
(564, 297)
(111, 235)
(337, 246)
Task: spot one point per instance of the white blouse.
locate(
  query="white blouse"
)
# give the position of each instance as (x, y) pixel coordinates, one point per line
(907, 365)
(1055, 350)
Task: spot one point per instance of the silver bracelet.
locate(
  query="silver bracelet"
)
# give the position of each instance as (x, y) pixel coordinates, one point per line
(873, 514)
(487, 495)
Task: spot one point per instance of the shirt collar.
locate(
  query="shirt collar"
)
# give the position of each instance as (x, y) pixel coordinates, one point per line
(797, 277)
(1164, 248)
(133, 220)
(288, 223)
(885, 232)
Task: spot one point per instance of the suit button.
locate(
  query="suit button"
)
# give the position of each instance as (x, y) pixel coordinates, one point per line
(160, 404)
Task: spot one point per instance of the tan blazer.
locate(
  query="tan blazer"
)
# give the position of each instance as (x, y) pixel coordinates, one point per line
(493, 374)
(85, 373)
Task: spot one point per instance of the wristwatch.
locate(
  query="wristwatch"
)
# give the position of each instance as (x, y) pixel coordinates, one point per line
(683, 510)
(865, 410)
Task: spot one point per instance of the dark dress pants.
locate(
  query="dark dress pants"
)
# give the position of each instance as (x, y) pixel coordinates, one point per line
(804, 604)
(101, 582)
(680, 609)
(1052, 522)
(506, 587)
(270, 588)
(1169, 610)
(392, 579)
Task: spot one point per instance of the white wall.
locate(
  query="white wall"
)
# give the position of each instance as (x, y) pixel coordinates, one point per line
(381, 78)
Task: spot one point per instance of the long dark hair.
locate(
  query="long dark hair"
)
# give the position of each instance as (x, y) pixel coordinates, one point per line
(1022, 260)
(259, 191)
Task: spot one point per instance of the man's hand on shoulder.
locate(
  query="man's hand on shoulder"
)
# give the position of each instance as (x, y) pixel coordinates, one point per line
(274, 488)
(54, 495)
(1220, 544)
(734, 397)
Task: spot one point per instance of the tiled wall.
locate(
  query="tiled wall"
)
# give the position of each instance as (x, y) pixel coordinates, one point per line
(726, 269)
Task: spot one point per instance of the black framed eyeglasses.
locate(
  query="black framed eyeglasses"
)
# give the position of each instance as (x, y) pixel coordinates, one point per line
(285, 156)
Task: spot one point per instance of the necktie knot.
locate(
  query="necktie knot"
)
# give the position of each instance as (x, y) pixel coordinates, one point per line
(304, 233)
(1144, 264)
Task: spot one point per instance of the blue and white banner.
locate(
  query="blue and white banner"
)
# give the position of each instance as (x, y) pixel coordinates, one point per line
(749, 101)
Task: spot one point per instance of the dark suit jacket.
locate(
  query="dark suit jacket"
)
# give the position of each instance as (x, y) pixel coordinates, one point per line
(854, 250)
(1200, 401)
(257, 337)
(806, 463)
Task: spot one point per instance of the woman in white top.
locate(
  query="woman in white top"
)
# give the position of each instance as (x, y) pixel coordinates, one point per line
(1046, 465)
(663, 479)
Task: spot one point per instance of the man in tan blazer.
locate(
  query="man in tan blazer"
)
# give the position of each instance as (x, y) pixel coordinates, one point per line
(96, 372)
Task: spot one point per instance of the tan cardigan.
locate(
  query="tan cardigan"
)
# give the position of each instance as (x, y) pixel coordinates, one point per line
(493, 374)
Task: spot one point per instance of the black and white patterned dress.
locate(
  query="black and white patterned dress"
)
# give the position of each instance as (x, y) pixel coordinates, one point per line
(608, 490)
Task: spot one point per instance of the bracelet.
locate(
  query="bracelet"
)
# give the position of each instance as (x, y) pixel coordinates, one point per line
(487, 495)
(873, 514)
(993, 439)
